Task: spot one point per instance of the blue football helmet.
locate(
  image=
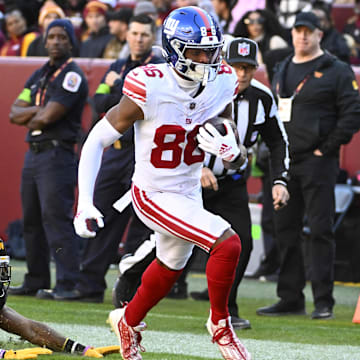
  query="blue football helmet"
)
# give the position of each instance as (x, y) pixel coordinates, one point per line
(192, 28)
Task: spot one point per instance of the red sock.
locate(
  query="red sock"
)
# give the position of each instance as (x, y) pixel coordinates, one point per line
(156, 282)
(220, 272)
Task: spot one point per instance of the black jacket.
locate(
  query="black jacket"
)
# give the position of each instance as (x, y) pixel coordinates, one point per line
(95, 45)
(326, 112)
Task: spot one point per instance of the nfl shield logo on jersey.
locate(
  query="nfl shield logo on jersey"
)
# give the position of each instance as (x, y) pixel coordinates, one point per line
(243, 49)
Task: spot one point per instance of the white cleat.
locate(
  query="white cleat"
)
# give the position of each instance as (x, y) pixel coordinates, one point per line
(224, 335)
(129, 337)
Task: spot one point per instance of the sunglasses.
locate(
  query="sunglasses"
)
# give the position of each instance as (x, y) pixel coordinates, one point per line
(254, 21)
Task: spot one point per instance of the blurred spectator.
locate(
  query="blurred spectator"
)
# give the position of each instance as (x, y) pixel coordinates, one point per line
(18, 36)
(28, 8)
(288, 9)
(163, 7)
(262, 27)
(148, 8)
(50, 11)
(2, 39)
(332, 40)
(352, 34)
(111, 4)
(73, 11)
(204, 4)
(240, 7)
(118, 22)
(223, 11)
(97, 35)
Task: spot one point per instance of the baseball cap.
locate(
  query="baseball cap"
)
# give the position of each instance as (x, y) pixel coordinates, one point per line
(242, 50)
(145, 7)
(308, 19)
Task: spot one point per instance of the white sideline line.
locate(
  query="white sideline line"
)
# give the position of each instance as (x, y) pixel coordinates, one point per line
(200, 345)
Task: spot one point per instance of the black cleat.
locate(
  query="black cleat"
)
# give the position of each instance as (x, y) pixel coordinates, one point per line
(282, 308)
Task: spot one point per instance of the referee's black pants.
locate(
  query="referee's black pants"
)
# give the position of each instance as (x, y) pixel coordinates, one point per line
(311, 190)
(231, 202)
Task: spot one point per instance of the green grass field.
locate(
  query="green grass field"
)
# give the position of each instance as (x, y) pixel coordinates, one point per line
(176, 328)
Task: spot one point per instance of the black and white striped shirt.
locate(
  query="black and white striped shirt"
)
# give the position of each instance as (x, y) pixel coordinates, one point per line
(255, 113)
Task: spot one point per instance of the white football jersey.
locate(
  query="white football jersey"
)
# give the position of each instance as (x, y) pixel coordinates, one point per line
(166, 154)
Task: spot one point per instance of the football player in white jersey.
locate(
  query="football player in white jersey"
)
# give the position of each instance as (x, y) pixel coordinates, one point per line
(167, 104)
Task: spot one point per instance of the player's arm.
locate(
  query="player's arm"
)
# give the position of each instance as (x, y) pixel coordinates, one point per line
(42, 335)
(109, 129)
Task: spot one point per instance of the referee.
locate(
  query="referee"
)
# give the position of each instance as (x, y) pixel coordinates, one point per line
(225, 191)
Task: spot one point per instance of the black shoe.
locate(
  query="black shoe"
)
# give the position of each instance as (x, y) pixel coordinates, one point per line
(76, 295)
(200, 295)
(21, 290)
(239, 323)
(261, 271)
(322, 313)
(178, 291)
(124, 290)
(269, 278)
(45, 294)
(69, 295)
(282, 308)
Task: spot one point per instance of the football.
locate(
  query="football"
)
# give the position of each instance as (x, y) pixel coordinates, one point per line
(218, 123)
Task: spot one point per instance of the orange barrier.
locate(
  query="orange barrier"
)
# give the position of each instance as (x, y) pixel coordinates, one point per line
(356, 318)
(14, 71)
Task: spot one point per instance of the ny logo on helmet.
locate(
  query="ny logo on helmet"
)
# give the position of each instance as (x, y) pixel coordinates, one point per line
(244, 49)
(170, 26)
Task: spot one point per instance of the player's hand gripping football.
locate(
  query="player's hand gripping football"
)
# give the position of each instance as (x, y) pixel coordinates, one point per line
(30, 353)
(223, 146)
(86, 215)
(100, 352)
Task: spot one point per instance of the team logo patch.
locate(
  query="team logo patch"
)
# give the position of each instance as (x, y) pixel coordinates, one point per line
(243, 49)
(170, 26)
(72, 81)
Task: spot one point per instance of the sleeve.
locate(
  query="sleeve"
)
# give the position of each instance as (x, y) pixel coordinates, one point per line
(70, 88)
(348, 110)
(274, 135)
(136, 88)
(25, 94)
(226, 69)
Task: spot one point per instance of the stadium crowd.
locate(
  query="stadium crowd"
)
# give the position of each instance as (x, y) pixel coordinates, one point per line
(101, 25)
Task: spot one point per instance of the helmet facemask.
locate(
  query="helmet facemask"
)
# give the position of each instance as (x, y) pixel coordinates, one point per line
(195, 71)
(5, 275)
